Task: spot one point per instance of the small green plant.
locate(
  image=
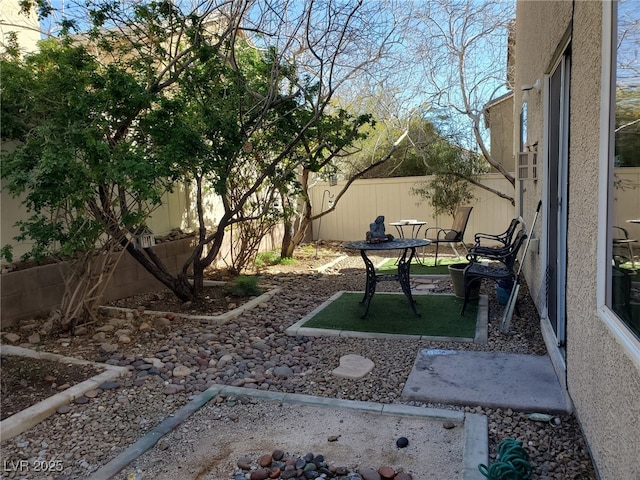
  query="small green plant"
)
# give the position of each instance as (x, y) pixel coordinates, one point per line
(6, 252)
(245, 286)
(272, 257)
(264, 259)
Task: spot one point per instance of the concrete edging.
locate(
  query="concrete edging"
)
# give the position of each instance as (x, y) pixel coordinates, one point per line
(333, 262)
(29, 417)
(475, 449)
(224, 318)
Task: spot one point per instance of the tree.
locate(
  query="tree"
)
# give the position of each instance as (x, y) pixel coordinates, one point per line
(452, 169)
(229, 96)
(462, 47)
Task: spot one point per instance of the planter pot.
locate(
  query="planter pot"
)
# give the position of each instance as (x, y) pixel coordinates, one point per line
(456, 270)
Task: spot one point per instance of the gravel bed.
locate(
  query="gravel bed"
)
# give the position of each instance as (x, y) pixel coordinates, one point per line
(171, 361)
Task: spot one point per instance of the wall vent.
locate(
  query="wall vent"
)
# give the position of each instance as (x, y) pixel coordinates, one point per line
(527, 166)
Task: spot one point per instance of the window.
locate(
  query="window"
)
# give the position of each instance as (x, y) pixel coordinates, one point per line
(624, 199)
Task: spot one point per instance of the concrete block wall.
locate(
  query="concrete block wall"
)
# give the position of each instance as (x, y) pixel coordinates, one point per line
(34, 292)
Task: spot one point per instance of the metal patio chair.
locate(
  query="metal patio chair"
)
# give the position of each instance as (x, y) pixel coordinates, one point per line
(622, 247)
(502, 267)
(452, 235)
(501, 240)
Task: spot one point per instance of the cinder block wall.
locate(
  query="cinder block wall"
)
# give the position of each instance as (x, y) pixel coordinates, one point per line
(34, 292)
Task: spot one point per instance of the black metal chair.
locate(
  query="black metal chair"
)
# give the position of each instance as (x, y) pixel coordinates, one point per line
(502, 239)
(502, 267)
(452, 235)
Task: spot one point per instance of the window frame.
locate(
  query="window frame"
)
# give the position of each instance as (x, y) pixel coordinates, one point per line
(605, 213)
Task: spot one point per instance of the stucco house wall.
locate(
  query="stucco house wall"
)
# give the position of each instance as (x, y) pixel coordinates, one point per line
(602, 377)
(500, 112)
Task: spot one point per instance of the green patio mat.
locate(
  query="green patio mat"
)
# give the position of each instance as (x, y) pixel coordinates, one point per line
(424, 268)
(391, 313)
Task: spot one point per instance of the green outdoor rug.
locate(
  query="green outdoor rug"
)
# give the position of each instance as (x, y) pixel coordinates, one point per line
(424, 268)
(391, 313)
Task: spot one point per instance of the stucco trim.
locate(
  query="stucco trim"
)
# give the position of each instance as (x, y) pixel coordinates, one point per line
(620, 332)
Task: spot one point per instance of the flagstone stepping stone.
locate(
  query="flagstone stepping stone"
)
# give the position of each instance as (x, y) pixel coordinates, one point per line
(353, 366)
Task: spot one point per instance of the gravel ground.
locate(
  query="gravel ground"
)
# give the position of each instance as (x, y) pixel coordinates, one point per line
(173, 360)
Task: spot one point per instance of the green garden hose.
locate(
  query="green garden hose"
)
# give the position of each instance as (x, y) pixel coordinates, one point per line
(513, 462)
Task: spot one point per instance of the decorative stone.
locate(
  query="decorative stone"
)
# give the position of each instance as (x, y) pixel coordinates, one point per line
(387, 473)
(171, 389)
(403, 476)
(81, 400)
(34, 338)
(156, 362)
(283, 371)
(63, 409)
(259, 474)
(81, 330)
(99, 337)
(402, 442)
(108, 348)
(109, 385)
(181, 371)
(448, 425)
(162, 321)
(353, 367)
(12, 337)
(277, 455)
(91, 393)
(106, 328)
(265, 460)
(244, 463)
(274, 472)
(369, 474)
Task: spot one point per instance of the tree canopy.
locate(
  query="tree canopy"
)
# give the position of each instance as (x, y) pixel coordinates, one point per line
(151, 94)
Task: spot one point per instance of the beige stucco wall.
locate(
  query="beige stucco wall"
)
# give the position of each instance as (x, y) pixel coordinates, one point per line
(502, 147)
(602, 378)
(25, 26)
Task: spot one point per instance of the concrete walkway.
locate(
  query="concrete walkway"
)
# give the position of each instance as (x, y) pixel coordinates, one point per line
(496, 380)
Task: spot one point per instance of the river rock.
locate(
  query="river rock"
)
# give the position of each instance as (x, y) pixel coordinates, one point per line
(181, 371)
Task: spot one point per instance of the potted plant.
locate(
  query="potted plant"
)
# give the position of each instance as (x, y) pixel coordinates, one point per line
(456, 270)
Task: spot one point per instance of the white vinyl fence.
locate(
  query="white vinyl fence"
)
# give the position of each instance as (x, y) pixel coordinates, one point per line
(392, 197)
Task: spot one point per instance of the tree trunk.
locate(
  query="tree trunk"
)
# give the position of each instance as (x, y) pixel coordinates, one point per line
(154, 265)
(287, 246)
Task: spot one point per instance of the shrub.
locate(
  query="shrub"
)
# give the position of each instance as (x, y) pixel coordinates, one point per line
(245, 286)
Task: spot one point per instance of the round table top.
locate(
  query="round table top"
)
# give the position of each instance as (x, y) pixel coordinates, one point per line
(407, 223)
(395, 244)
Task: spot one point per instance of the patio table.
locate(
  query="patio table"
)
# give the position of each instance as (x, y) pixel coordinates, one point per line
(408, 247)
(416, 226)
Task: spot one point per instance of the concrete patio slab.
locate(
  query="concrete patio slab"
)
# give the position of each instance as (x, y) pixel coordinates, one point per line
(489, 379)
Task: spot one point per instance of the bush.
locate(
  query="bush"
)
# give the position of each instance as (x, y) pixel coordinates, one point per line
(245, 286)
(266, 259)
